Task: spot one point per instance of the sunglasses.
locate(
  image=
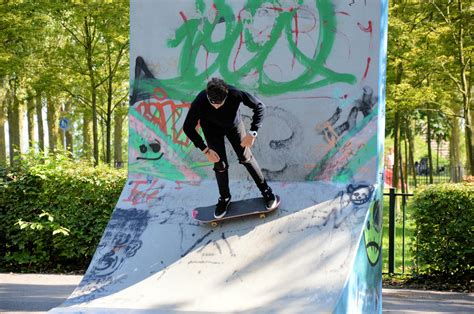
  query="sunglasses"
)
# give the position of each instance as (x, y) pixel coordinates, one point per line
(217, 102)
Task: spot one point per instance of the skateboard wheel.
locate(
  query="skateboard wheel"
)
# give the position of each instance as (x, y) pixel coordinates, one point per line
(214, 224)
(262, 216)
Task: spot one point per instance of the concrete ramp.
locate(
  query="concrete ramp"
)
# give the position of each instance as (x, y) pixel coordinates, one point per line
(319, 67)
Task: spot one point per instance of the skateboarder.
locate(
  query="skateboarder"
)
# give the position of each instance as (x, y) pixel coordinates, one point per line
(216, 109)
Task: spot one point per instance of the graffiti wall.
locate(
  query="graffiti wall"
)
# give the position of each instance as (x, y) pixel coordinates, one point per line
(313, 63)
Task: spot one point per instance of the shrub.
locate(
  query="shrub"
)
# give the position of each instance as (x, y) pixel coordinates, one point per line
(444, 218)
(53, 212)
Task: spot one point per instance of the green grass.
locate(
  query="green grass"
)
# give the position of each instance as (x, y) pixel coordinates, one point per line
(409, 240)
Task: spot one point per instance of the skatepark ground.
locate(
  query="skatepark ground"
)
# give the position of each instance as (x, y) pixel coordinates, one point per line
(35, 293)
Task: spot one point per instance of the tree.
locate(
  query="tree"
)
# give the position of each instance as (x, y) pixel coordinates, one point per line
(76, 65)
(14, 125)
(3, 118)
(417, 83)
(456, 60)
(14, 35)
(96, 47)
(39, 120)
(116, 61)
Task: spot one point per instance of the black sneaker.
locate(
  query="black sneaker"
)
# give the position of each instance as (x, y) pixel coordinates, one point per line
(221, 207)
(270, 199)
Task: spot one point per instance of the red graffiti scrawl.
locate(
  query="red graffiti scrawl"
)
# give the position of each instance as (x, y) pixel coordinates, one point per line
(367, 29)
(138, 196)
(367, 68)
(154, 111)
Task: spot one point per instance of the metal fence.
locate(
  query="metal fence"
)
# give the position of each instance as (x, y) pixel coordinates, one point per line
(393, 195)
(422, 176)
(397, 214)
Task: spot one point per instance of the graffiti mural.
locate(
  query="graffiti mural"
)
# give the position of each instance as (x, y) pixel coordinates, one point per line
(345, 202)
(363, 105)
(292, 54)
(373, 233)
(142, 191)
(121, 241)
(279, 146)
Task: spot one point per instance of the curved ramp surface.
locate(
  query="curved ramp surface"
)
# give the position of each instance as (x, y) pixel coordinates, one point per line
(318, 66)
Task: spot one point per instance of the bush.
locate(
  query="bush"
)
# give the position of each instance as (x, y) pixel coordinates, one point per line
(53, 212)
(444, 218)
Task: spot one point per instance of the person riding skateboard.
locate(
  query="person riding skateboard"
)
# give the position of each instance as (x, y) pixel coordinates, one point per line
(216, 109)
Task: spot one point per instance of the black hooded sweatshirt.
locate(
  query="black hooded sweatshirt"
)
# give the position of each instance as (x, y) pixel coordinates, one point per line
(222, 119)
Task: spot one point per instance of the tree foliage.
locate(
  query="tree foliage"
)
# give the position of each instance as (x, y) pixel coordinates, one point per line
(424, 78)
(72, 55)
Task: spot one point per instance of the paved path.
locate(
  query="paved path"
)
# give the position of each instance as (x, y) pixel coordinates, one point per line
(419, 301)
(25, 293)
(31, 293)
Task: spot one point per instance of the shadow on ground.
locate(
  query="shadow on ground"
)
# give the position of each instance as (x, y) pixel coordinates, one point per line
(32, 297)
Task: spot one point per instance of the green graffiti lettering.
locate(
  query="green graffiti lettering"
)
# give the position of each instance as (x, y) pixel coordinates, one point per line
(195, 35)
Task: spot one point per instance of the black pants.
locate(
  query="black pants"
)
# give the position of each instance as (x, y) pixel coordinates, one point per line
(215, 141)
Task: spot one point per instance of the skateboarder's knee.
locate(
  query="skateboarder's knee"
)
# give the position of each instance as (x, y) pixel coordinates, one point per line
(221, 166)
(246, 160)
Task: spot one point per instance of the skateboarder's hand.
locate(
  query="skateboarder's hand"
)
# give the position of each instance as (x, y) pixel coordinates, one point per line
(247, 141)
(212, 156)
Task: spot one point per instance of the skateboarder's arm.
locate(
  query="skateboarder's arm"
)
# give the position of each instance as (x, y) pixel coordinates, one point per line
(190, 124)
(258, 109)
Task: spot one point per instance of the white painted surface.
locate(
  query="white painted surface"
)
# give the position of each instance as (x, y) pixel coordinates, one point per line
(295, 260)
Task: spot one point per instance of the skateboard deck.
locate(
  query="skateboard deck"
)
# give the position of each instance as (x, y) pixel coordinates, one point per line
(248, 207)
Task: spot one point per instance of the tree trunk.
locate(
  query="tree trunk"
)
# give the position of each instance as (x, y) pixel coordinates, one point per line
(39, 122)
(108, 119)
(93, 88)
(3, 148)
(102, 132)
(62, 139)
(438, 144)
(466, 95)
(411, 154)
(30, 112)
(95, 131)
(52, 118)
(118, 123)
(108, 125)
(14, 126)
(455, 151)
(396, 132)
(469, 100)
(61, 132)
(86, 135)
(402, 165)
(468, 137)
(428, 140)
(402, 175)
(70, 142)
(396, 150)
(69, 131)
(405, 164)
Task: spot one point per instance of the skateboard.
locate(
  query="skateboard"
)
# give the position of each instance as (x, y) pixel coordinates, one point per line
(248, 207)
